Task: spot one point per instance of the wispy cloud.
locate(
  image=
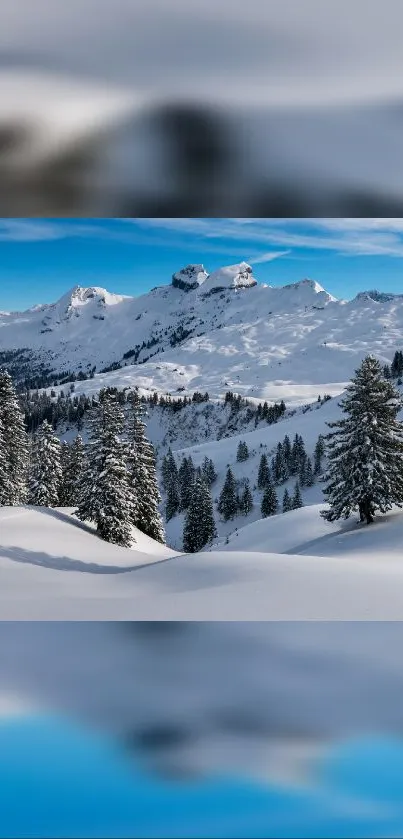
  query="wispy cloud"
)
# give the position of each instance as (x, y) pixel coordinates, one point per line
(277, 238)
(363, 237)
(267, 257)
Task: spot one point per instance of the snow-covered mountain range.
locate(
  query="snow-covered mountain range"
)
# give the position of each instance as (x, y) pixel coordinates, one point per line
(214, 332)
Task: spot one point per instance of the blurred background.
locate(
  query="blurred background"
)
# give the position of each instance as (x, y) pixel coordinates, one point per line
(201, 730)
(156, 108)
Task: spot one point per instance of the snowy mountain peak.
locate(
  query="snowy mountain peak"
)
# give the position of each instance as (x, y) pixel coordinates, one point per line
(310, 291)
(231, 277)
(377, 296)
(189, 278)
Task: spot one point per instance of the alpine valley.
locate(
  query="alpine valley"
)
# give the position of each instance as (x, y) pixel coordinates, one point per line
(239, 381)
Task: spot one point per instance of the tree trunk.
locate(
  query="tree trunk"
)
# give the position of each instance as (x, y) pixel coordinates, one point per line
(367, 509)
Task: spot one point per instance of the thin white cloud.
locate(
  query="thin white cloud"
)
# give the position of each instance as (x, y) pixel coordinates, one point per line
(267, 257)
(362, 237)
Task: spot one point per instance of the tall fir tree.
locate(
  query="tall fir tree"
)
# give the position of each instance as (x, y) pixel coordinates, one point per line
(107, 497)
(6, 489)
(264, 477)
(209, 471)
(319, 454)
(143, 474)
(280, 472)
(228, 501)
(309, 478)
(269, 502)
(287, 450)
(73, 468)
(242, 452)
(173, 500)
(246, 501)
(45, 468)
(287, 502)
(199, 528)
(296, 501)
(15, 444)
(365, 448)
(186, 481)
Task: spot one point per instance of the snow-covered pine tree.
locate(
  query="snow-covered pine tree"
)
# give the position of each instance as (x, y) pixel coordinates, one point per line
(242, 452)
(143, 474)
(45, 468)
(287, 450)
(65, 488)
(228, 503)
(365, 448)
(73, 468)
(169, 470)
(199, 528)
(209, 471)
(296, 501)
(246, 501)
(6, 489)
(264, 477)
(107, 495)
(309, 478)
(269, 502)
(287, 502)
(281, 472)
(170, 480)
(173, 500)
(319, 454)
(297, 454)
(15, 444)
(186, 481)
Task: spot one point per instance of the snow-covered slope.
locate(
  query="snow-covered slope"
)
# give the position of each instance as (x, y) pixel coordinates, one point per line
(54, 569)
(210, 332)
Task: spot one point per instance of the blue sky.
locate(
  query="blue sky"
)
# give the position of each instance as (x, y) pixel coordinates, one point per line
(41, 258)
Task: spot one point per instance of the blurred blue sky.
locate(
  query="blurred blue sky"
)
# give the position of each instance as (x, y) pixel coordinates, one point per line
(41, 258)
(59, 779)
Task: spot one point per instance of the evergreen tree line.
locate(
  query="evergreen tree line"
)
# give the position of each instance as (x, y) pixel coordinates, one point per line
(394, 370)
(291, 460)
(112, 480)
(178, 483)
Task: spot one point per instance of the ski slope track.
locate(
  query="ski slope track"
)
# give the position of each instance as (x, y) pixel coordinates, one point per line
(290, 567)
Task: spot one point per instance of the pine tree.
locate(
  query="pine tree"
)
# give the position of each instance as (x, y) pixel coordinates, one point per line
(45, 471)
(172, 500)
(287, 502)
(199, 528)
(269, 502)
(170, 480)
(296, 502)
(297, 454)
(246, 501)
(73, 467)
(209, 472)
(107, 497)
(264, 477)
(169, 469)
(143, 474)
(186, 481)
(365, 448)
(309, 478)
(6, 489)
(287, 450)
(14, 443)
(319, 454)
(242, 453)
(280, 472)
(228, 503)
